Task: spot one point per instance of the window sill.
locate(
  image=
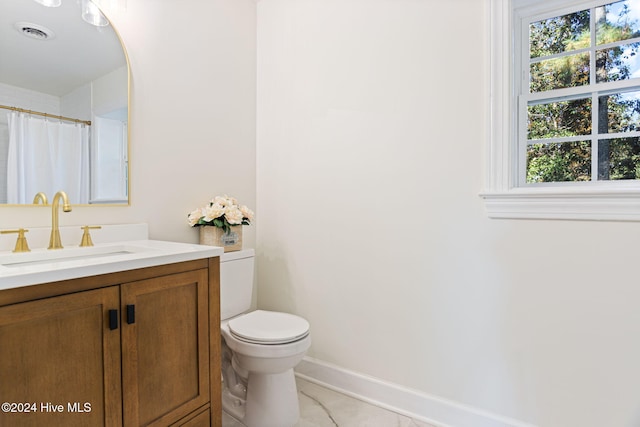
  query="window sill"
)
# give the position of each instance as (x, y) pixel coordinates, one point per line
(555, 203)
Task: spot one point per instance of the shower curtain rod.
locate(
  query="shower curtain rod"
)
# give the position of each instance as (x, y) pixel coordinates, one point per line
(37, 113)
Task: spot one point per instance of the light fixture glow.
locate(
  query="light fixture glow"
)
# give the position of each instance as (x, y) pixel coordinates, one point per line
(49, 3)
(91, 14)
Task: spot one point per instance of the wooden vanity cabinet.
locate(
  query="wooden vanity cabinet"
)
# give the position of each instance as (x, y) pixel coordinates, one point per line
(58, 351)
(137, 348)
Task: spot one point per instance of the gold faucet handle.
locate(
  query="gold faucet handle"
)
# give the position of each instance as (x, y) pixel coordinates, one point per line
(21, 243)
(86, 237)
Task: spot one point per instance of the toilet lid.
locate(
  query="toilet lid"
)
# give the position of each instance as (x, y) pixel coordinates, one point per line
(268, 327)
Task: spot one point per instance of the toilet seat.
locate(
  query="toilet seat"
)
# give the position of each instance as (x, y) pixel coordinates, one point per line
(268, 327)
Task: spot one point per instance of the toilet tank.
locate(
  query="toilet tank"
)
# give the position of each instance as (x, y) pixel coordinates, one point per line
(236, 282)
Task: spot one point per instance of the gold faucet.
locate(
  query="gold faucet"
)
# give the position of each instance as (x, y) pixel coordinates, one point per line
(40, 197)
(54, 241)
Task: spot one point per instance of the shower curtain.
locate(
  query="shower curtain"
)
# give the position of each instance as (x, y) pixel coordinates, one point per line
(46, 155)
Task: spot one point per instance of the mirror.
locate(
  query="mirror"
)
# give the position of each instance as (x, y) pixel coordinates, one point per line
(64, 72)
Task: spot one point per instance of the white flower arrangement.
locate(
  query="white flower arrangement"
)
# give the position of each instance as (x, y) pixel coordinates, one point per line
(222, 212)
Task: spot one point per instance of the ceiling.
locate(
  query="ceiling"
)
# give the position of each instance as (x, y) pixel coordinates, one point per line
(76, 55)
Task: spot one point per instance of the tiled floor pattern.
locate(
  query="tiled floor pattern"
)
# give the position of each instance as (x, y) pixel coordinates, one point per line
(321, 407)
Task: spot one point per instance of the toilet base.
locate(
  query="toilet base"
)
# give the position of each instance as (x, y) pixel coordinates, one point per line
(262, 406)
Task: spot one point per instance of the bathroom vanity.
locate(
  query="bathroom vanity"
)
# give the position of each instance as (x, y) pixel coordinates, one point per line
(136, 343)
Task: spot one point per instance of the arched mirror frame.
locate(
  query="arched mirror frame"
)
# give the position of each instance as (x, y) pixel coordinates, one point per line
(127, 169)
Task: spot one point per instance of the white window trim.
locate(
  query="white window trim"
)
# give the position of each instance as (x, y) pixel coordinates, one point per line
(503, 198)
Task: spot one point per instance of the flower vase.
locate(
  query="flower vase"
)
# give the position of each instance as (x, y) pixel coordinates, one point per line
(216, 236)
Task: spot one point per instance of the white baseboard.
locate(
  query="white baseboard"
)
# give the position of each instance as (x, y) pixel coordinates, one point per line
(412, 403)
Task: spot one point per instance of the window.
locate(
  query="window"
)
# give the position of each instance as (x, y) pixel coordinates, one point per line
(565, 116)
(579, 107)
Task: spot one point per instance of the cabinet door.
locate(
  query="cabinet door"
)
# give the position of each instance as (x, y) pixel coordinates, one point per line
(61, 361)
(165, 347)
(198, 419)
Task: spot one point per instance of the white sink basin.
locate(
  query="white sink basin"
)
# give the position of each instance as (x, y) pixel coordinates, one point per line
(42, 265)
(24, 259)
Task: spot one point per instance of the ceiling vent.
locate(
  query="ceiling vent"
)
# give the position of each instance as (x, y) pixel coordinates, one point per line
(34, 31)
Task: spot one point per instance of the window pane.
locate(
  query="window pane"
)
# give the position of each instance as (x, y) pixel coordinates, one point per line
(617, 21)
(619, 112)
(568, 71)
(558, 119)
(619, 159)
(560, 34)
(561, 162)
(617, 63)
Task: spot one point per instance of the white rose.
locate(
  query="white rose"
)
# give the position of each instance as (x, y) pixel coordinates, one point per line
(233, 216)
(212, 212)
(246, 212)
(220, 201)
(225, 201)
(194, 217)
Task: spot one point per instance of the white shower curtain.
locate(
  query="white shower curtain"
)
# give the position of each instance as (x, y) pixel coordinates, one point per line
(48, 156)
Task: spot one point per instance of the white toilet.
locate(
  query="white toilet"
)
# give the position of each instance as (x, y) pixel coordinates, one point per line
(259, 350)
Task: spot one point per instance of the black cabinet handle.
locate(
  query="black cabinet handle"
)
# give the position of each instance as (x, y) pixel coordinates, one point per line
(113, 319)
(131, 314)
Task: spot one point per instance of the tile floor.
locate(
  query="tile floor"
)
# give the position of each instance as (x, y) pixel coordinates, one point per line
(321, 407)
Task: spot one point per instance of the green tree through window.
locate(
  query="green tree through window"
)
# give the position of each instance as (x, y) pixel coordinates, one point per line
(583, 99)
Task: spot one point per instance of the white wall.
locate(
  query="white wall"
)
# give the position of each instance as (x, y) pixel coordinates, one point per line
(372, 123)
(192, 116)
(14, 96)
(77, 103)
(109, 93)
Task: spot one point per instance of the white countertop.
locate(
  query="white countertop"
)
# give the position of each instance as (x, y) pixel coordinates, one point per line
(42, 265)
